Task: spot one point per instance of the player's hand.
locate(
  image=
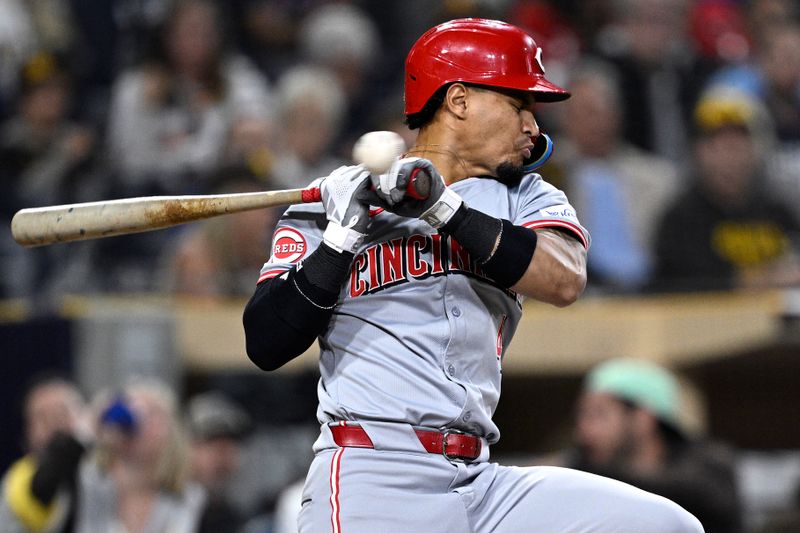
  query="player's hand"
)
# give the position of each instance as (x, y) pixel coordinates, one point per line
(391, 187)
(348, 215)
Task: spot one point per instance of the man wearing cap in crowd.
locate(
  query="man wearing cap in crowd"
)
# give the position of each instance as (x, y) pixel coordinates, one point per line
(726, 231)
(216, 427)
(629, 427)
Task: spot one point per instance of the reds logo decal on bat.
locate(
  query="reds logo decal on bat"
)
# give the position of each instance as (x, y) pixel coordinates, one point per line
(289, 245)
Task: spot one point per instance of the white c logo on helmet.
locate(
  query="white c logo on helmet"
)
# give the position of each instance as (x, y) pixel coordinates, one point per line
(539, 58)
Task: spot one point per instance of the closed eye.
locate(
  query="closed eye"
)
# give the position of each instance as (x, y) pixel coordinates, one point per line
(520, 105)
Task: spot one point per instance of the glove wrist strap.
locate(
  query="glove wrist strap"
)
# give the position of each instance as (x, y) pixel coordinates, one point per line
(342, 239)
(443, 210)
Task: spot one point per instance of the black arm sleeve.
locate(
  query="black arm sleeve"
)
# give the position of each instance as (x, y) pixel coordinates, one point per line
(286, 314)
(57, 467)
(503, 249)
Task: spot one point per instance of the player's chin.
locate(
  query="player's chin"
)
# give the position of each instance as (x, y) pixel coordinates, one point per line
(509, 173)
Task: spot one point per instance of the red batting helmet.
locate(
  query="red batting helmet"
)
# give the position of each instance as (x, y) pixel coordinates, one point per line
(479, 51)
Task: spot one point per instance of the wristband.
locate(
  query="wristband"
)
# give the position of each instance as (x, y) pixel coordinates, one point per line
(443, 209)
(325, 270)
(476, 231)
(342, 239)
(513, 254)
(503, 250)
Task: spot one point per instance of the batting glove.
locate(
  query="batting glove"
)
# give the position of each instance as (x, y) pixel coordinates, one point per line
(348, 216)
(436, 209)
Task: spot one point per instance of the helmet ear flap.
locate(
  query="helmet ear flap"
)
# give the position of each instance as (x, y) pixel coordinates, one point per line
(540, 153)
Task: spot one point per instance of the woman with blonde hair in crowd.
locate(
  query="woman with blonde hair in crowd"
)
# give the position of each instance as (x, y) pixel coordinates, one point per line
(136, 479)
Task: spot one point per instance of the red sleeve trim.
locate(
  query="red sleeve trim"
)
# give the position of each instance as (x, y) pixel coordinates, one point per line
(559, 224)
(269, 274)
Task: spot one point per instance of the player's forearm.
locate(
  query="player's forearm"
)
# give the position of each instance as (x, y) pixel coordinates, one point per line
(557, 272)
(502, 249)
(544, 264)
(286, 314)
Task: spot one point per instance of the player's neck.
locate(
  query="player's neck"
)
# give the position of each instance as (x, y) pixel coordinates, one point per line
(442, 154)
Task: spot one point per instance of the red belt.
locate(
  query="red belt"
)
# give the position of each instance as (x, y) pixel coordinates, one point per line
(454, 445)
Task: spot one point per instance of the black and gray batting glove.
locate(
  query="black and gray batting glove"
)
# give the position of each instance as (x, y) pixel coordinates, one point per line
(391, 188)
(348, 216)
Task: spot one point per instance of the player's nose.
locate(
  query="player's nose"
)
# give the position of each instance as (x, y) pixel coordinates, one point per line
(529, 125)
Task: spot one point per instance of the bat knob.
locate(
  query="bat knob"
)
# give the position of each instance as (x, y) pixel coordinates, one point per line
(419, 186)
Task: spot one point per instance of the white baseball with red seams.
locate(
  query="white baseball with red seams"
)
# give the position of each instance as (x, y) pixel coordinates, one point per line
(377, 150)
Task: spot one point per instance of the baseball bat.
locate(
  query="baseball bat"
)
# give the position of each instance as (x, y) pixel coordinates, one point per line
(40, 226)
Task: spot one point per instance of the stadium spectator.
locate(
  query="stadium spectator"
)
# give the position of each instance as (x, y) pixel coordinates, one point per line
(311, 106)
(216, 429)
(780, 68)
(619, 189)
(217, 257)
(170, 117)
(18, 40)
(629, 427)
(268, 31)
(170, 121)
(43, 153)
(660, 76)
(773, 78)
(39, 490)
(137, 478)
(726, 231)
(764, 15)
(719, 31)
(342, 38)
(46, 158)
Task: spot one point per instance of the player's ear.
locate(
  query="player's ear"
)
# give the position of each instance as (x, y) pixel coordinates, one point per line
(456, 100)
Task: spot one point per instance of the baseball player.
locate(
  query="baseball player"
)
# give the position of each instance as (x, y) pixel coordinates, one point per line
(415, 302)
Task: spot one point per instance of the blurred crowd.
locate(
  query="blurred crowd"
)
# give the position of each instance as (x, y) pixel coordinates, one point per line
(133, 459)
(137, 458)
(680, 149)
(680, 146)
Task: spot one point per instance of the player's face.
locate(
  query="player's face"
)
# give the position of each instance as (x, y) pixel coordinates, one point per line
(500, 131)
(603, 427)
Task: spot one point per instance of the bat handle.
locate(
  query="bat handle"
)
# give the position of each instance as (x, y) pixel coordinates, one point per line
(311, 195)
(419, 188)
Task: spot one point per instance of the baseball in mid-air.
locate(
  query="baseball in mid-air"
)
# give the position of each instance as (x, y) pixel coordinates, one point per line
(377, 150)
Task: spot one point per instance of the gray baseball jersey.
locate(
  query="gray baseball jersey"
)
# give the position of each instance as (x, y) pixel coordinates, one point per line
(419, 332)
(416, 340)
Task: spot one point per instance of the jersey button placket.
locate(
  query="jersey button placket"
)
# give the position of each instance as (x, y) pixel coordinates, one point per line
(455, 347)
